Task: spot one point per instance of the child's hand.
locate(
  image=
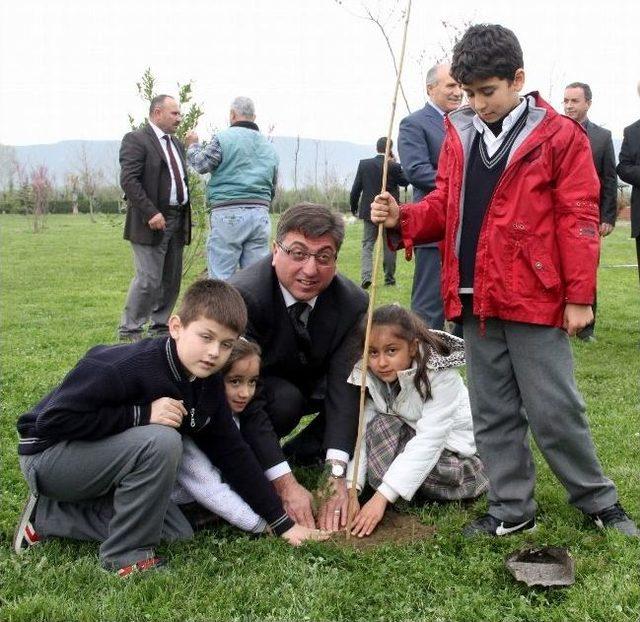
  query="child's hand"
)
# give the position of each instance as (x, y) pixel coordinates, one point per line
(298, 534)
(354, 505)
(369, 516)
(385, 209)
(576, 317)
(167, 411)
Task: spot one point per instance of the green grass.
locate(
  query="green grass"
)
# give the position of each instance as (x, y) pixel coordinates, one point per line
(62, 292)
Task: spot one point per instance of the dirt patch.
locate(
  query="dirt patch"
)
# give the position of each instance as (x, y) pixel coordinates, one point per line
(394, 528)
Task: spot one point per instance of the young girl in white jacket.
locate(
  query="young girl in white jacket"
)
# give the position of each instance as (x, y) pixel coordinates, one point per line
(197, 479)
(419, 433)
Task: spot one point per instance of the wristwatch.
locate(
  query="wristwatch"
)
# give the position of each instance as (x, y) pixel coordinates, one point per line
(336, 469)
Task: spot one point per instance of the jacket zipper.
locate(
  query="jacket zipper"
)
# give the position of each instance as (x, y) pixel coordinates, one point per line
(501, 182)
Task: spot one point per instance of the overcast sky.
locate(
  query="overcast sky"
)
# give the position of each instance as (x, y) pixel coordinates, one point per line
(314, 67)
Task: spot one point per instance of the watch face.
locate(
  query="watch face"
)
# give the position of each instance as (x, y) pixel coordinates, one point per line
(337, 470)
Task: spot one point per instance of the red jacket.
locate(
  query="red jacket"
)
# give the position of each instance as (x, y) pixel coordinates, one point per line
(538, 246)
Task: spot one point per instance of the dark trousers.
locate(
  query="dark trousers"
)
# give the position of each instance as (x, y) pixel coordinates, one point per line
(426, 296)
(286, 407)
(369, 236)
(156, 284)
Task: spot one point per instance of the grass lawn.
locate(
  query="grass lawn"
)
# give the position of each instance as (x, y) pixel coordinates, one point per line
(63, 291)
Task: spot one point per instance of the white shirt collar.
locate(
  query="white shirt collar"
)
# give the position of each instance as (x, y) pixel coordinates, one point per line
(440, 110)
(507, 123)
(289, 299)
(158, 131)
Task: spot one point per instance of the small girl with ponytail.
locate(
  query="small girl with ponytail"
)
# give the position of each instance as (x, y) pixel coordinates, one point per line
(419, 434)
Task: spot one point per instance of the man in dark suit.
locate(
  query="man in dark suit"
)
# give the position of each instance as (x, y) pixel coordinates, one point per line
(366, 186)
(577, 101)
(304, 315)
(419, 142)
(629, 172)
(153, 176)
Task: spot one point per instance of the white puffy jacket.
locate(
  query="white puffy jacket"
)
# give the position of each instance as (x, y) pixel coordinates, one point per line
(442, 422)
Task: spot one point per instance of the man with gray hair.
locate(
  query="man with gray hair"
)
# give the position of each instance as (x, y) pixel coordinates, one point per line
(243, 167)
(419, 141)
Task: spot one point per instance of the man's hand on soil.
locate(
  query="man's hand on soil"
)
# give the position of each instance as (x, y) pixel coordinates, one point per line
(332, 515)
(297, 500)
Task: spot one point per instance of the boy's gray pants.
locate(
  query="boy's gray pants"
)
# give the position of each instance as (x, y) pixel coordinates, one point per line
(115, 490)
(521, 376)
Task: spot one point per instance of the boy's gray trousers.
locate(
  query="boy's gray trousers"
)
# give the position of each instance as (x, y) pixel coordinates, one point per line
(520, 377)
(115, 490)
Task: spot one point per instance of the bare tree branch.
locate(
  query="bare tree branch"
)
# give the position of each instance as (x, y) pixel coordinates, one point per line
(382, 29)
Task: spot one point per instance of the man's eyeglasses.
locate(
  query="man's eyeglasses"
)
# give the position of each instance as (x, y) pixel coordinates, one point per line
(323, 258)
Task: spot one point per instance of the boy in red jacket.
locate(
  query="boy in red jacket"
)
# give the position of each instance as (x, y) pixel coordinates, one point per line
(516, 205)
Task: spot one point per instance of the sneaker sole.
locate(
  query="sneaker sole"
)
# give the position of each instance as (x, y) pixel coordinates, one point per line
(479, 533)
(517, 531)
(20, 536)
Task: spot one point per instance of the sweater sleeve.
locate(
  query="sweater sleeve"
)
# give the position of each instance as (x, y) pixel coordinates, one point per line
(411, 467)
(223, 444)
(89, 404)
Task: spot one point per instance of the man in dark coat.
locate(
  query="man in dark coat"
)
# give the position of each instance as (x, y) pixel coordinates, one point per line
(153, 176)
(577, 101)
(366, 186)
(629, 172)
(304, 315)
(419, 141)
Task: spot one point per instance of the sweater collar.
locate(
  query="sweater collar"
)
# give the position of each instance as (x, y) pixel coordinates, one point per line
(250, 125)
(178, 371)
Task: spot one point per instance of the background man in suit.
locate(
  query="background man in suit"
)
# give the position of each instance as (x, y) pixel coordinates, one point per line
(244, 171)
(419, 142)
(629, 171)
(304, 314)
(577, 101)
(153, 176)
(366, 186)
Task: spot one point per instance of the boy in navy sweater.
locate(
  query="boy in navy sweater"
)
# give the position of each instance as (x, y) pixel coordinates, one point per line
(101, 452)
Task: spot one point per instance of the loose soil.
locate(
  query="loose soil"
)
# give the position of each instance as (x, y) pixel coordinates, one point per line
(394, 528)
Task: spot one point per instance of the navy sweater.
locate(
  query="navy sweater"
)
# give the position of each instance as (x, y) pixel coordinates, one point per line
(111, 389)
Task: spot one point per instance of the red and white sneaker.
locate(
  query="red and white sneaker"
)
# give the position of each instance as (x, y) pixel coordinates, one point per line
(25, 535)
(153, 563)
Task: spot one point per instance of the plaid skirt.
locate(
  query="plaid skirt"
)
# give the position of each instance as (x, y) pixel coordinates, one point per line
(454, 477)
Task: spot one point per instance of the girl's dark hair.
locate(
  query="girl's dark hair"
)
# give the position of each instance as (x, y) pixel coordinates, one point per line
(242, 348)
(408, 326)
(486, 51)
